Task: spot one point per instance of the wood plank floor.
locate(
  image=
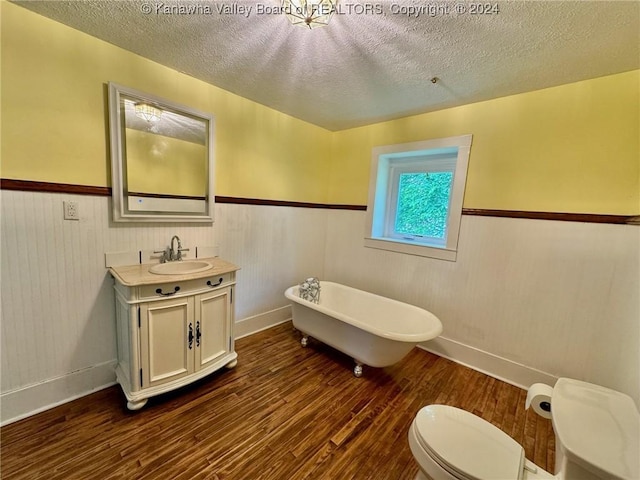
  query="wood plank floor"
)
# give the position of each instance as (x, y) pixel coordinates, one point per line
(285, 412)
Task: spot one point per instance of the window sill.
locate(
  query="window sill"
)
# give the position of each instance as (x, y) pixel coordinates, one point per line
(411, 248)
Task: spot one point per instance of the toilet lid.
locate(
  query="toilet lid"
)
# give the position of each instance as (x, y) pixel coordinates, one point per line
(467, 444)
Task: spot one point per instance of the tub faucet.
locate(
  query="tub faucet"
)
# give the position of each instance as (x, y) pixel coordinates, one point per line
(310, 290)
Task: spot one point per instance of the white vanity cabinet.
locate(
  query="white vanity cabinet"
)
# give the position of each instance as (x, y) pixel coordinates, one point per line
(172, 333)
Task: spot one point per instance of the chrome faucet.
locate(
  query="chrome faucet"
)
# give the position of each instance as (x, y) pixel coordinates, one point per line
(171, 254)
(175, 254)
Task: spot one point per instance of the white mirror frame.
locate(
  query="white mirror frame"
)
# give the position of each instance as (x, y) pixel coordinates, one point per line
(120, 210)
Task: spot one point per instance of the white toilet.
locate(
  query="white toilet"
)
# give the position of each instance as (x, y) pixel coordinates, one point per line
(597, 437)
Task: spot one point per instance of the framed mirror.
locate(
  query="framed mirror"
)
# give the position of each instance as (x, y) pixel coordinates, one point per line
(161, 159)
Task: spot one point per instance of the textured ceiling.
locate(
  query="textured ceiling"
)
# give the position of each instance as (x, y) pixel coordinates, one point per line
(373, 61)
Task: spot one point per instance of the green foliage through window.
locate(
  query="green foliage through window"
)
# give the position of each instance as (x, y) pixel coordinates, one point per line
(423, 202)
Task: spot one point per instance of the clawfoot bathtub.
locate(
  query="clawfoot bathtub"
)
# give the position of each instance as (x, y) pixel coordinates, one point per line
(373, 330)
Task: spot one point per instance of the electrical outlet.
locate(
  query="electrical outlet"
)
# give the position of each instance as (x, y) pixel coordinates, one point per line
(71, 211)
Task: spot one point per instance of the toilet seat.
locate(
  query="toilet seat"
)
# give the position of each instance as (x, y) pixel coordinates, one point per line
(466, 446)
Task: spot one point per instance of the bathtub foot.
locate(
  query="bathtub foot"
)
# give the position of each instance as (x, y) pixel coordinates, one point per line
(357, 370)
(304, 341)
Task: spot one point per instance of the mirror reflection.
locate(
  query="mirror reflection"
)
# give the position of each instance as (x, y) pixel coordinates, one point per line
(162, 162)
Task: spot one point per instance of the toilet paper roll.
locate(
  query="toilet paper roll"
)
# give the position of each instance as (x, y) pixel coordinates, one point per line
(539, 397)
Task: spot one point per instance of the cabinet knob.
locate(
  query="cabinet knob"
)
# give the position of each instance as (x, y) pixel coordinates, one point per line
(215, 284)
(190, 336)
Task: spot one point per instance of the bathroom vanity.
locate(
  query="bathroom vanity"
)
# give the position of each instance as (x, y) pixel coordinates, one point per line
(172, 329)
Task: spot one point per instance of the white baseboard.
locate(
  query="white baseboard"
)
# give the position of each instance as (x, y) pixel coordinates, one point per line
(501, 368)
(32, 399)
(26, 401)
(262, 321)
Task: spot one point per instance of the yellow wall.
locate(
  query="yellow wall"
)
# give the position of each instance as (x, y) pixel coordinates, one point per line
(160, 164)
(55, 122)
(573, 148)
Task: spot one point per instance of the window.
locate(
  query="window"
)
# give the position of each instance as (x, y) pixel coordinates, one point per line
(415, 197)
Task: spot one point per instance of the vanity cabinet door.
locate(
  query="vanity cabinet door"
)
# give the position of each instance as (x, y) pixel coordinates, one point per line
(213, 324)
(167, 340)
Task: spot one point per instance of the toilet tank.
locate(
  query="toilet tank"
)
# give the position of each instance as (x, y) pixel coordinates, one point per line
(597, 432)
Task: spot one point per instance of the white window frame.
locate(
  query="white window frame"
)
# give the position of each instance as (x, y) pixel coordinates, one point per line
(387, 163)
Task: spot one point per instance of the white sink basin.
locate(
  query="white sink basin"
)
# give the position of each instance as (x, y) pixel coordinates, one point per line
(180, 268)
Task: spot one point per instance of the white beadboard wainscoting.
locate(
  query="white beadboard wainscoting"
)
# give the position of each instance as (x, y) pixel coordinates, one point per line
(527, 300)
(58, 320)
(275, 247)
